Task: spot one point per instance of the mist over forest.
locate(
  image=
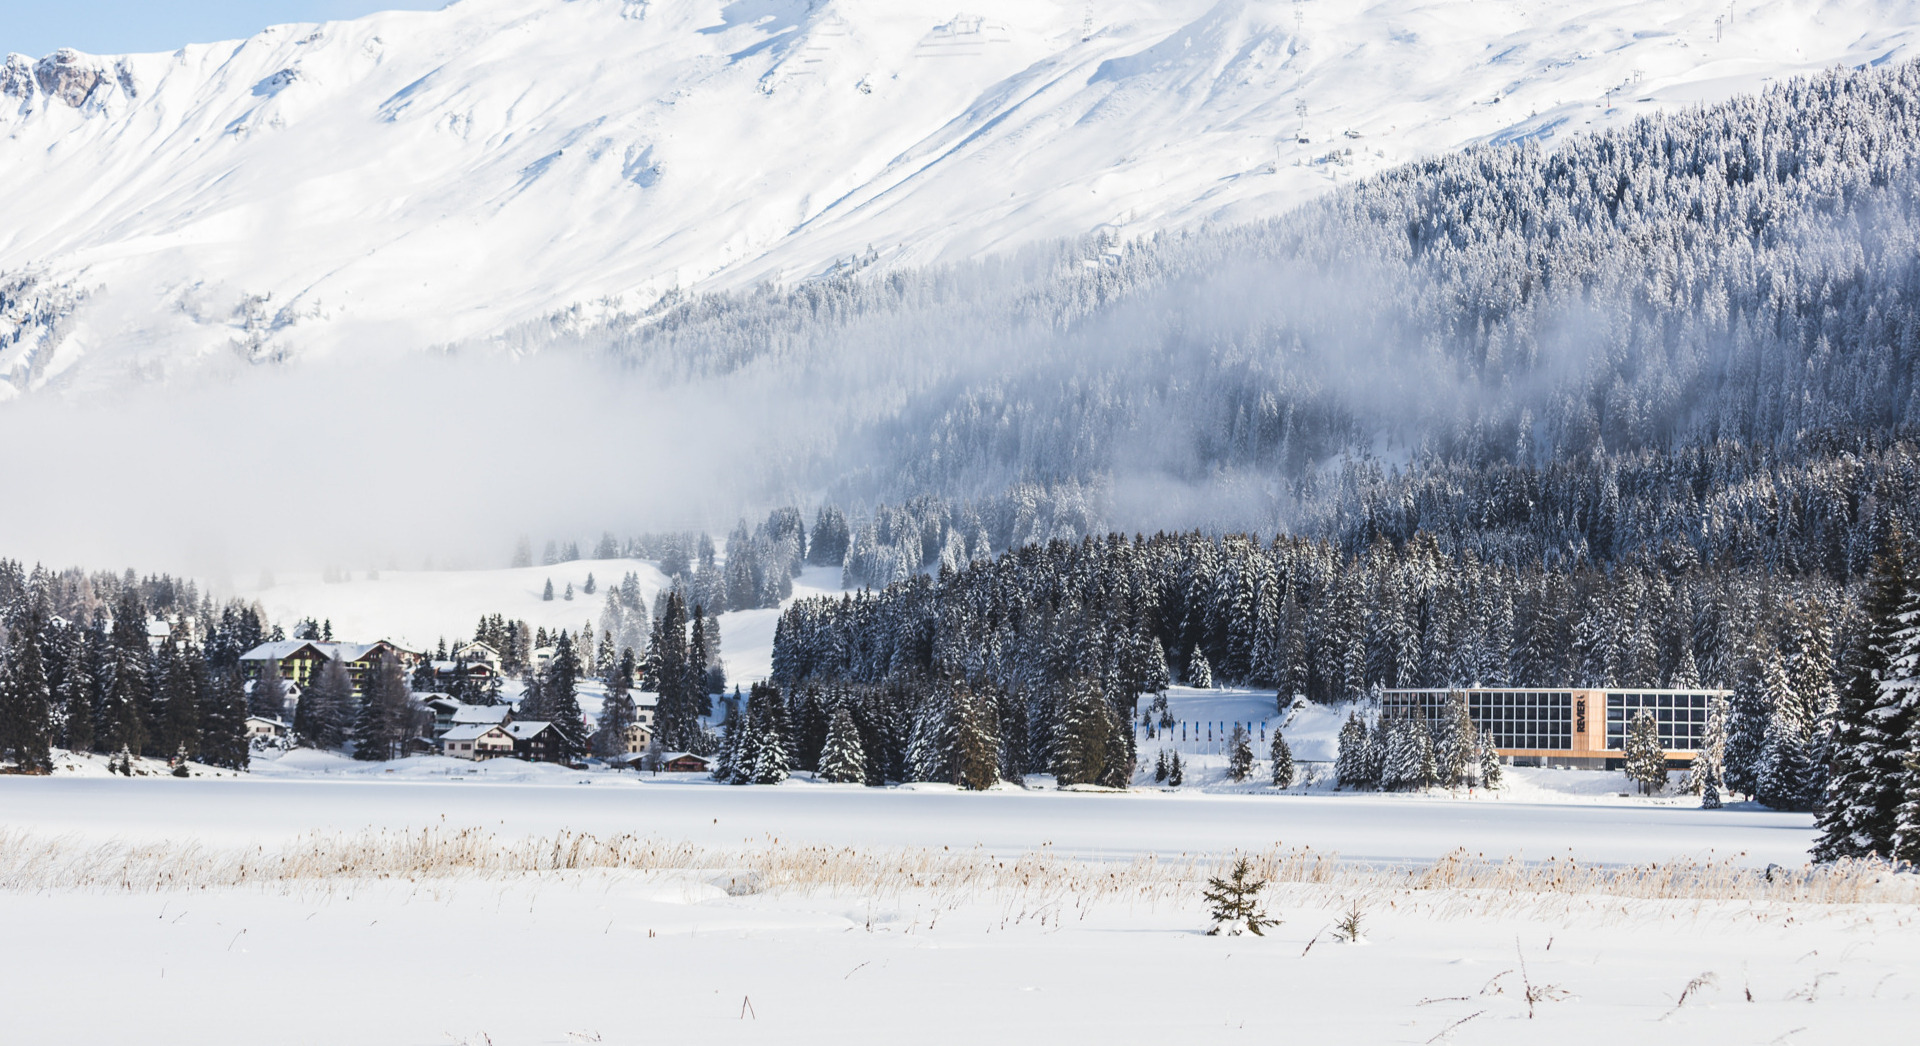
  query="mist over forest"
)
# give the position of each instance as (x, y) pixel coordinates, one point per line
(1696, 329)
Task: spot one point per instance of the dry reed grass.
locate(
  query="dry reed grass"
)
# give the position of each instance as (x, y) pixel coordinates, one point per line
(1457, 884)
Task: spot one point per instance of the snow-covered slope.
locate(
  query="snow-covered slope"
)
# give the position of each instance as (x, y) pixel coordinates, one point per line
(418, 608)
(411, 179)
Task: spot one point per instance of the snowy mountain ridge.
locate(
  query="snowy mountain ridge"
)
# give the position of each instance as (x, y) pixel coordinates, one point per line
(411, 179)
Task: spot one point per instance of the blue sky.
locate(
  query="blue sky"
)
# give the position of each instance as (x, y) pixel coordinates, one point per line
(37, 27)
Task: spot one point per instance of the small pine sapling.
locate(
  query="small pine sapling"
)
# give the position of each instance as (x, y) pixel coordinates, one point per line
(1160, 768)
(1347, 928)
(1176, 771)
(1235, 902)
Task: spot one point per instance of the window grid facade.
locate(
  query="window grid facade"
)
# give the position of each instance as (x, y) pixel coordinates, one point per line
(1565, 720)
(1533, 719)
(1681, 718)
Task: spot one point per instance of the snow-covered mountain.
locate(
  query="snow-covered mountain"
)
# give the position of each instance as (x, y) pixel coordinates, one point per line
(411, 179)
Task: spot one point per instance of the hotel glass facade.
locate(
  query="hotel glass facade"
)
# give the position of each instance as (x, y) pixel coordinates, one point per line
(1576, 722)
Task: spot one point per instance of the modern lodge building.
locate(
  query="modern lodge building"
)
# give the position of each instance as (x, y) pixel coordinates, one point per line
(1583, 728)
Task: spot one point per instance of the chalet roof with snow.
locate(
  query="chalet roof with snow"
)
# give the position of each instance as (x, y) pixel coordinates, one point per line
(470, 732)
(286, 648)
(527, 729)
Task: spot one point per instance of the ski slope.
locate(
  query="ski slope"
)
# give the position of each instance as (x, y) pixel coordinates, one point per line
(421, 178)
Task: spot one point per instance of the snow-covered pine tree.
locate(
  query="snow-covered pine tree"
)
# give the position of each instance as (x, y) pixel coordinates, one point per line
(771, 764)
(1177, 770)
(1456, 743)
(1749, 712)
(1350, 762)
(1239, 754)
(562, 702)
(177, 681)
(1709, 760)
(1906, 817)
(1282, 761)
(26, 705)
(1787, 771)
(930, 745)
(129, 681)
(1865, 770)
(1154, 677)
(224, 740)
(1199, 673)
(1645, 758)
(1160, 767)
(844, 759)
(324, 715)
(269, 693)
(976, 740)
(617, 710)
(1491, 776)
(1085, 748)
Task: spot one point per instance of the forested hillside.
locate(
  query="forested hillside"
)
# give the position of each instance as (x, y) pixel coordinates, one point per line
(1633, 413)
(1693, 337)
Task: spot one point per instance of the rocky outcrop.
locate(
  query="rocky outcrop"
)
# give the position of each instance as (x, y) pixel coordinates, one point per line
(67, 75)
(16, 77)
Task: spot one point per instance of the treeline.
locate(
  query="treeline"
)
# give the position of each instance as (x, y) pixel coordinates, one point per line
(1040, 627)
(82, 670)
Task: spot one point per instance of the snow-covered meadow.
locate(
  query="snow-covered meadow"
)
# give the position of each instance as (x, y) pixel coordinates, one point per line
(828, 913)
(437, 900)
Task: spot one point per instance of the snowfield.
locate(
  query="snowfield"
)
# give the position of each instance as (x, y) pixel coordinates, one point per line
(726, 935)
(418, 178)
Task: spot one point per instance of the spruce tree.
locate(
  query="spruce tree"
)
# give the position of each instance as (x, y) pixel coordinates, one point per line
(771, 764)
(1787, 770)
(976, 740)
(1239, 754)
(844, 759)
(1282, 758)
(26, 706)
(1350, 762)
(325, 712)
(123, 721)
(1491, 775)
(76, 693)
(1176, 770)
(224, 738)
(269, 696)
(378, 722)
(179, 680)
(1235, 902)
(1709, 759)
(930, 745)
(1646, 759)
(562, 703)
(1085, 749)
(1199, 673)
(1906, 817)
(1863, 793)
